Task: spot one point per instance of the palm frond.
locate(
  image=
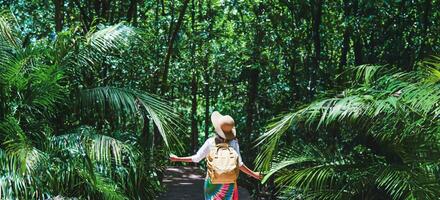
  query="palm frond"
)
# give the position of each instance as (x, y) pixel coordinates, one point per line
(94, 156)
(408, 184)
(129, 102)
(18, 144)
(13, 183)
(44, 90)
(111, 40)
(392, 153)
(270, 138)
(99, 148)
(105, 187)
(7, 35)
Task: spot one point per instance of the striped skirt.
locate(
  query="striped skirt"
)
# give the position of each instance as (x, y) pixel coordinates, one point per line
(227, 191)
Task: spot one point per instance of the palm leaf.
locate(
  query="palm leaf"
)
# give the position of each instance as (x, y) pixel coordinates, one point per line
(129, 102)
(395, 119)
(111, 40)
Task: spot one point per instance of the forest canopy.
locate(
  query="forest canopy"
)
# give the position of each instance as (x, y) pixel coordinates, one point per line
(331, 99)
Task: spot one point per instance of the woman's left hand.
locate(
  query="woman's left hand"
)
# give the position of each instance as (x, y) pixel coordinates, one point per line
(174, 158)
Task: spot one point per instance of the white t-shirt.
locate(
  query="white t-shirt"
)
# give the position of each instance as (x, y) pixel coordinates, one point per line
(204, 150)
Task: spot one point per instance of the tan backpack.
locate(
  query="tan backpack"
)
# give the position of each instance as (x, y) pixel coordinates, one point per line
(222, 163)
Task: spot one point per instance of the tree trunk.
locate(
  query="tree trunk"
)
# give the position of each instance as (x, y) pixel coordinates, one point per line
(345, 43)
(316, 22)
(216, 88)
(253, 74)
(194, 129)
(156, 137)
(97, 6)
(357, 41)
(156, 79)
(207, 83)
(83, 17)
(252, 95)
(148, 137)
(425, 23)
(59, 15)
(207, 101)
(170, 47)
(207, 69)
(105, 9)
(132, 12)
(157, 143)
(194, 88)
(157, 62)
(121, 10)
(292, 79)
(289, 55)
(292, 76)
(172, 16)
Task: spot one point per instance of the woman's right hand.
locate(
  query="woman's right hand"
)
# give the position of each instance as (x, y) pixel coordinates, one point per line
(258, 175)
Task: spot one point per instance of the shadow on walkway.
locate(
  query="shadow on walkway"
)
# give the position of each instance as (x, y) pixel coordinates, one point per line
(187, 183)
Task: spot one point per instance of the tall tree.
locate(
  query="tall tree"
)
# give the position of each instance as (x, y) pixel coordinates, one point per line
(345, 43)
(291, 51)
(132, 12)
(206, 63)
(316, 23)
(59, 15)
(84, 17)
(253, 72)
(357, 40)
(171, 48)
(426, 23)
(194, 82)
(105, 10)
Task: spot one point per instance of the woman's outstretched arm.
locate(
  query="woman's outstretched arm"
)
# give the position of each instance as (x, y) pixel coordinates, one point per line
(249, 172)
(201, 153)
(243, 167)
(180, 159)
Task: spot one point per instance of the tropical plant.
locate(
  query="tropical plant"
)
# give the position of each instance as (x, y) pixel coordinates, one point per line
(42, 156)
(378, 139)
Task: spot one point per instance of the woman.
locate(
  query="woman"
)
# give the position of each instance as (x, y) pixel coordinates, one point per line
(225, 132)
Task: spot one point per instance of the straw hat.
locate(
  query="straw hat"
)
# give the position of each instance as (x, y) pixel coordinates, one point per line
(218, 119)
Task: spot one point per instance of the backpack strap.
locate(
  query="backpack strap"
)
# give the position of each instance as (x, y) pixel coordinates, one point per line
(225, 146)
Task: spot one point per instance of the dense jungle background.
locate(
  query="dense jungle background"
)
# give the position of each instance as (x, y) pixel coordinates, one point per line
(332, 99)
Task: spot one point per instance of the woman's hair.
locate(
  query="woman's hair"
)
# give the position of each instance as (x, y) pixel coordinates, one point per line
(219, 139)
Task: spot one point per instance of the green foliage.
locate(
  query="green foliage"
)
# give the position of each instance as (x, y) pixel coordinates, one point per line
(378, 139)
(333, 71)
(43, 157)
(126, 102)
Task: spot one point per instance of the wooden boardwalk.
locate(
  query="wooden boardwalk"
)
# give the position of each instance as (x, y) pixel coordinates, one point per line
(187, 183)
